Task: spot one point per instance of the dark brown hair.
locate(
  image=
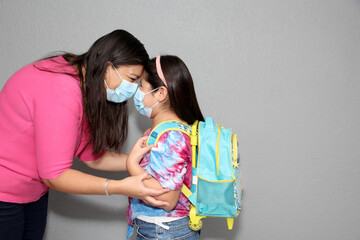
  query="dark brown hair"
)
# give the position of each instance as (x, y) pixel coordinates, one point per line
(180, 87)
(108, 121)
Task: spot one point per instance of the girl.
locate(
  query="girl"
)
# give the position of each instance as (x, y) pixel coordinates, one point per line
(56, 109)
(166, 93)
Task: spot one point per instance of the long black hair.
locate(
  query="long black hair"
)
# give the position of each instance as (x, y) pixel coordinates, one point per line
(180, 87)
(108, 121)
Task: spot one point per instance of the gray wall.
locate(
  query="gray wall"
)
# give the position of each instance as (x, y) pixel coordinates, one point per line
(283, 74)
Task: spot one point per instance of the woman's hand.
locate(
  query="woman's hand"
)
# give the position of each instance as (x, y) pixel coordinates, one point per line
(138, 150)
(135, 188)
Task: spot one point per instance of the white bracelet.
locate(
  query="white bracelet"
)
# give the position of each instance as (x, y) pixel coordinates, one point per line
(106, 184)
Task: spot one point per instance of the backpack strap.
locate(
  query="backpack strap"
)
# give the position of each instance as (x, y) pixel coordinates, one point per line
(163, 127)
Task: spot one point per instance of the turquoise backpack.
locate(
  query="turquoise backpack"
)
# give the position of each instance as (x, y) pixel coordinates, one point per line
(216, 189)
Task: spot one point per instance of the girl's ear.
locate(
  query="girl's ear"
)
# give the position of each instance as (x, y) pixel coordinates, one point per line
(162, 94)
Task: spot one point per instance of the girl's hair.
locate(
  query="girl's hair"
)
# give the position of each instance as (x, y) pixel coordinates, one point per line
(180, 87)
(108, 121)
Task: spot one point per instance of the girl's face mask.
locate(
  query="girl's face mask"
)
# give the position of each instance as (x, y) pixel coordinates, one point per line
(123, 92)
(139, 104)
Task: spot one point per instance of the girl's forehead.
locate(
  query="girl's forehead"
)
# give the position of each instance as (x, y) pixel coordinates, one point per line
(144, 82)
(143, 74)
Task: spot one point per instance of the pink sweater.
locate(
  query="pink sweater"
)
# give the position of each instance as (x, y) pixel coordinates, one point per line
(41, 129)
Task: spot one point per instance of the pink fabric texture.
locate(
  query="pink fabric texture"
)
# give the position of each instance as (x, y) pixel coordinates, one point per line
(41, 129)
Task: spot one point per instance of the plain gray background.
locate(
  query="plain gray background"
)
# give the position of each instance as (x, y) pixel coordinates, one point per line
(284, 74)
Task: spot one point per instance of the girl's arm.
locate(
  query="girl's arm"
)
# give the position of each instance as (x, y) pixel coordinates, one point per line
(76, 182)
(110, 161)
(134, 169)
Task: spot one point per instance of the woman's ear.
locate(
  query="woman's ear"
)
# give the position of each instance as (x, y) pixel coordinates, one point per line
(162, 94)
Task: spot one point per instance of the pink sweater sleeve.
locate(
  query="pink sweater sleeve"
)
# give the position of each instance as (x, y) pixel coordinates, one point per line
(57, 115)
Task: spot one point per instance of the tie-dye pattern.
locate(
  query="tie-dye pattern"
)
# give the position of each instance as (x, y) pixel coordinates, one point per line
(170, 163)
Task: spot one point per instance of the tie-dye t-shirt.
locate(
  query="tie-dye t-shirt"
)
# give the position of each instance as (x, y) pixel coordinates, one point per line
(169, 162)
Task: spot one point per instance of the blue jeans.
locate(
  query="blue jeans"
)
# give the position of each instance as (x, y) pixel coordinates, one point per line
(179, 229)
(23, 221)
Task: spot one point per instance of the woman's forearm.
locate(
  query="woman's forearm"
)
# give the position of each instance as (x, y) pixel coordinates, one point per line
(76, 182)
(110, 161)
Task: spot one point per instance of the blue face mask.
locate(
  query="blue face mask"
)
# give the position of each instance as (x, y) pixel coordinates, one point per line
(122, 92)
(139, 104)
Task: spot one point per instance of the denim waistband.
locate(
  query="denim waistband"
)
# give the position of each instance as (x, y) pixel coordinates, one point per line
(163, 222)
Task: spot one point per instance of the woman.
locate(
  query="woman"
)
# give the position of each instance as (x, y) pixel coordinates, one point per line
(62, 107)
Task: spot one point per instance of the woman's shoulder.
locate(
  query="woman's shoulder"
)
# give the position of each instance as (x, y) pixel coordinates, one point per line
(56, 75)
(55, 68)
(56, 64)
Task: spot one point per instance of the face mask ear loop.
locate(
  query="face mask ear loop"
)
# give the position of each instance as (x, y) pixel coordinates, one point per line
(106, 84)
(117, 72)
(155, 105)
(152, 91)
